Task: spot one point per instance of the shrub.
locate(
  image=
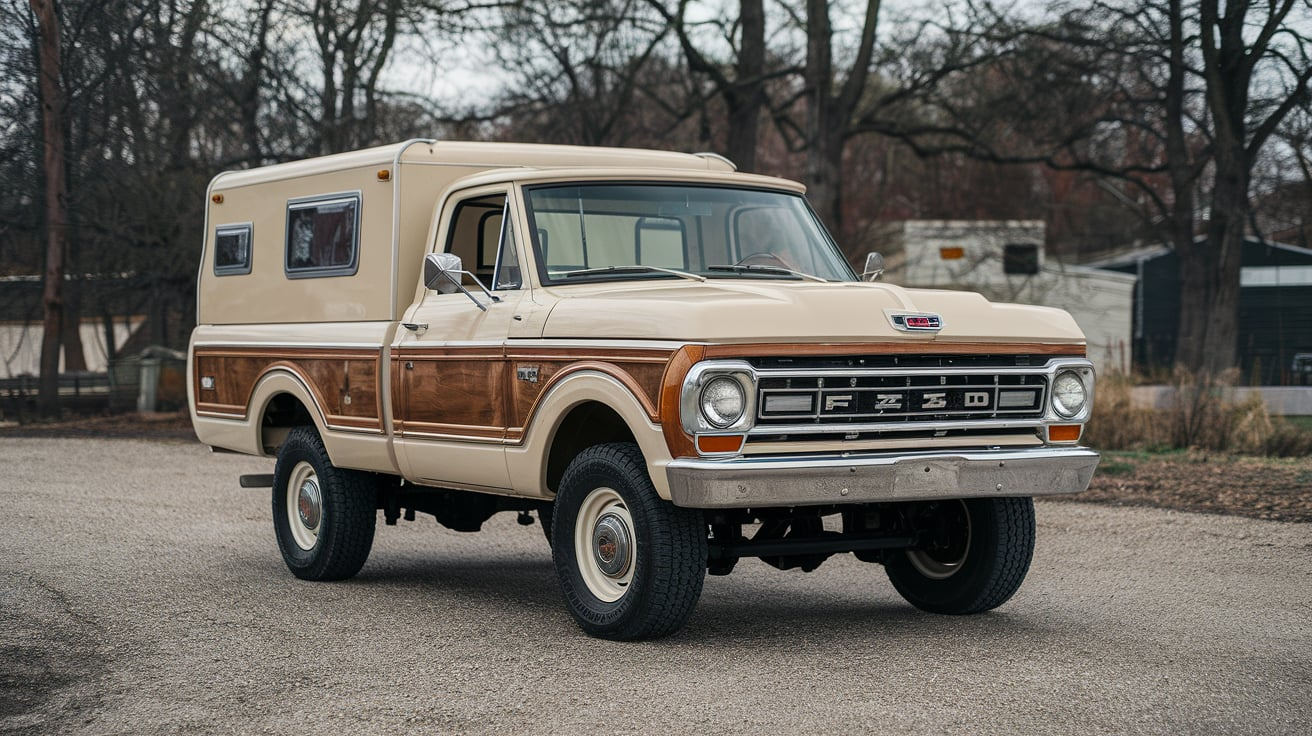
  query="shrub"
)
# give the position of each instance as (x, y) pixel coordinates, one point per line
(1199, 417)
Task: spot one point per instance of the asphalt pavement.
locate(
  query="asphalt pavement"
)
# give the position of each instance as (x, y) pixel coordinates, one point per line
(141, 592)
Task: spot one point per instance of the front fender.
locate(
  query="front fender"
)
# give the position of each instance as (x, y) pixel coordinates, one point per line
(527, 461)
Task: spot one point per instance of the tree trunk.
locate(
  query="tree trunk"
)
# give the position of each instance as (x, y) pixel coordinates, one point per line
(1225, 243)
(1192, 265)
(52, 127)
(830, 115)
(748, 95)
(821, 175)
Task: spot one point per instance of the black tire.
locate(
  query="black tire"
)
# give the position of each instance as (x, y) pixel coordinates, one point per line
(975, 568)
(654, 594)
(337, 546)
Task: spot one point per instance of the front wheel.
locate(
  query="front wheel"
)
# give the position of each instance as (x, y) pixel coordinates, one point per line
(974, 557)
(323, 516)
(631, 565)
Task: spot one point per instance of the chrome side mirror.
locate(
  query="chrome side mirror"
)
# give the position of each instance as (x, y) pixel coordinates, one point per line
(874, 267)
(442, 272)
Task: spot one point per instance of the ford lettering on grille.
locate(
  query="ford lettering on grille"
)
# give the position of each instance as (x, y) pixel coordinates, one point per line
(863, 399)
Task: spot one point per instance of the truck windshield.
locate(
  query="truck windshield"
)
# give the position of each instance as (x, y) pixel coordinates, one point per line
(659, 231)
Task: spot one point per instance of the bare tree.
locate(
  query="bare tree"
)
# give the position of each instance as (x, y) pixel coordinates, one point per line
(354, 42)
(742, 83)
(1168, 102)
(1246, 108)
(53, 104)
(585, 71)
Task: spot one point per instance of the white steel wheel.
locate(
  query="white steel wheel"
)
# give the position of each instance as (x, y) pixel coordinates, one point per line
(630, 563)
(942, 563)
(605, 545)
(304, 505)
(323, 516)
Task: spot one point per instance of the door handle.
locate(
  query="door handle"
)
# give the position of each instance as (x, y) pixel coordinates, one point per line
(415, 326)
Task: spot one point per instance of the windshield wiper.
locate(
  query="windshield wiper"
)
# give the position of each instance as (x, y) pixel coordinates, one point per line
(738, 268)
(631, 269)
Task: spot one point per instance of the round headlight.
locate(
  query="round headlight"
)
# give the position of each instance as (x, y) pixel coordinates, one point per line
(723, 401)
(1068, 394)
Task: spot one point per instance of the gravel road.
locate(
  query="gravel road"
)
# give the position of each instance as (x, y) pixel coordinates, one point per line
(141, 592)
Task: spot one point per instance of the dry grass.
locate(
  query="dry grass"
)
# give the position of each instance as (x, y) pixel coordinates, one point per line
(1199, 418)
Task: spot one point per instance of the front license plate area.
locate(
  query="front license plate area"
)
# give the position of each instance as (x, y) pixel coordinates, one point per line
(926, 476)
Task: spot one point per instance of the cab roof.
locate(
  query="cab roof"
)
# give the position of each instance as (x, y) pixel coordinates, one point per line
(478, 154)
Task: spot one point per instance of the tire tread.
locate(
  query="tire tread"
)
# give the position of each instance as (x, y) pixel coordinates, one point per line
(350, 496)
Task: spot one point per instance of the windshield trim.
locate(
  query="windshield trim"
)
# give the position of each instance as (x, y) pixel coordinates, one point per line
(846, 273)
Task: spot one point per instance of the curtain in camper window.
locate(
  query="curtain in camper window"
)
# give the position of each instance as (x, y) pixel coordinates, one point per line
(323, 236)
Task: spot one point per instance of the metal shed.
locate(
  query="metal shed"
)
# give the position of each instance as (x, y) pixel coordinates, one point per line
(1275, 309)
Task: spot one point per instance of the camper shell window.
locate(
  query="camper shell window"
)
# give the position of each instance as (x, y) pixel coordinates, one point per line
(323, 236)
(232, 249)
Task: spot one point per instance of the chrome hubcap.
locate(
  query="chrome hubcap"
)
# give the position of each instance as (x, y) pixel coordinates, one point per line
(611, 545)
(308, 504)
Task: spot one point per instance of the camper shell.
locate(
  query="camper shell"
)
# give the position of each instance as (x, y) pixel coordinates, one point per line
(658, 351)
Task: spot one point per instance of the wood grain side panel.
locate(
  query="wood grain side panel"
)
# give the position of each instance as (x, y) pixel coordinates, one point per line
(344, 383)
(476, 392)
(453, 392)
(643, 379)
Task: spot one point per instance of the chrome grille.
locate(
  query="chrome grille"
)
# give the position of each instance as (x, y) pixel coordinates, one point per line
(883, 396)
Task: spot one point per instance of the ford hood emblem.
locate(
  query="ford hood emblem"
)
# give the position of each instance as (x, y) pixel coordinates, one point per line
(916, 321)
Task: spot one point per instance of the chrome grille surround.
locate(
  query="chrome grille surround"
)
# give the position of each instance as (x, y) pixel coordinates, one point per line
(890, 400)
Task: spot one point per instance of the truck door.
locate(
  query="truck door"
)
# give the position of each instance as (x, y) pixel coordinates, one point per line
(450, 407)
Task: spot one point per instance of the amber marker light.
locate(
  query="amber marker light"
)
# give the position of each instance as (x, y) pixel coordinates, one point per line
(216, 198)
(951, 254)
(720, 443)
(1064, 433)
(384, 174)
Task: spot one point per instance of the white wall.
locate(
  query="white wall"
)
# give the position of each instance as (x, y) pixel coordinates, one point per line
(20, 346)
(1100, 301)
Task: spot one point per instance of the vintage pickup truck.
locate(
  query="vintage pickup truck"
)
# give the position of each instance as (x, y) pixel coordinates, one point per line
(667, 361)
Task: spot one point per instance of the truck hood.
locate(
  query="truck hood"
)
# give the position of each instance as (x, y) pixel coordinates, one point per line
(724, 311)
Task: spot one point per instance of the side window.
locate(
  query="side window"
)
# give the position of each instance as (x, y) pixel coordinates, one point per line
(323, 236)
(508, 274)
(475, 234)
(232, 249)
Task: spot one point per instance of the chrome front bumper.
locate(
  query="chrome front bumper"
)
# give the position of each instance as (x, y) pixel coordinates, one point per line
(814, 480)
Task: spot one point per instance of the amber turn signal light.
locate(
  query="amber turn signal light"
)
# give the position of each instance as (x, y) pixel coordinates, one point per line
(1064, 433)
(384, 174)
(951, 254)
(729, 443)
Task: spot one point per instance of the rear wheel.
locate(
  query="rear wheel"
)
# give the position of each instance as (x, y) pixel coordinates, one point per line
(975, 556)
(323, 516)
(631, 565)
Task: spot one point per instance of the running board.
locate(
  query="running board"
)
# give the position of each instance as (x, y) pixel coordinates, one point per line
(256, 480)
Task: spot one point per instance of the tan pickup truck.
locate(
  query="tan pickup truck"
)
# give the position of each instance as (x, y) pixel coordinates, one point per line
(668, 362)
